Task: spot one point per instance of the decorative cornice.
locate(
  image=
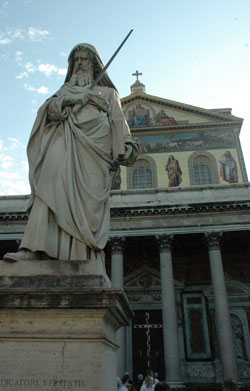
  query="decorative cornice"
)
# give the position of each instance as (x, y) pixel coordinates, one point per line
(144, 211)
(17, 216)
(165, 242)
(217, 207)
(213, 240)
(116, 244)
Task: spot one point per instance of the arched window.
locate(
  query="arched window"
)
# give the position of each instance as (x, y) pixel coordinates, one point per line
(143, 174)
(202, 169)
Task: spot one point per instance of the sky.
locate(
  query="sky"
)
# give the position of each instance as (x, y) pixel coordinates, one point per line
(195, 52)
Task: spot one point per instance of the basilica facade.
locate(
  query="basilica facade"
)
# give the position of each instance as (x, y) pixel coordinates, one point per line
(180, 229)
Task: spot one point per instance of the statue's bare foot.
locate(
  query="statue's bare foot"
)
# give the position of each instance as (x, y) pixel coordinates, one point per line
(22, 255)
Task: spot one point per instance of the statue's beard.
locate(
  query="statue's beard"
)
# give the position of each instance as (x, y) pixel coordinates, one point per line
(82, 78)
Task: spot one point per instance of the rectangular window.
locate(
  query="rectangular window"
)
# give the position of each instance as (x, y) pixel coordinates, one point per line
(196, 328)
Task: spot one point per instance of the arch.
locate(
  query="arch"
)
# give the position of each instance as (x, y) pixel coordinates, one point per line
(234, 288)
(143, 174)
(202, 167)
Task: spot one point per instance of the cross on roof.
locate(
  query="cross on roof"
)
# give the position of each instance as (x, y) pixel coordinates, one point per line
(137, 73)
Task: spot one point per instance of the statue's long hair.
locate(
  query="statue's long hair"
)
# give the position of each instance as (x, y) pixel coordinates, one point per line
(97, 64)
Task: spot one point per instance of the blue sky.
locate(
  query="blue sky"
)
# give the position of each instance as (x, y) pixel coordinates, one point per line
(191, 51)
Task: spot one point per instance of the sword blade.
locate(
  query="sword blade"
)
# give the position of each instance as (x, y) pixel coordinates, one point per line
(109, 62)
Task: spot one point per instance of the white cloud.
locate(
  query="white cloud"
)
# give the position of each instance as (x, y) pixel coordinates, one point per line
(16, 187)
(6, 161)
(36, 34)
(28, 87)
(41, 90)
(62, 71)
(30, 67)
(49, 69)
(17, 33)
(19, 56)
(4, 40)
(10, 35)
(13, 167)
(9, 175)
(14, 143)
(22, 75)
(4, 7)
(25, 165)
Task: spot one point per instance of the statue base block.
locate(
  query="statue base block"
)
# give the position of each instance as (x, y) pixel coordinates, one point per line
(53, 274)
(58, 337)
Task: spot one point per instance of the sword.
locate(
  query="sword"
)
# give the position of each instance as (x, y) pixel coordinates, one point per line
(95, 82)
(109, 62)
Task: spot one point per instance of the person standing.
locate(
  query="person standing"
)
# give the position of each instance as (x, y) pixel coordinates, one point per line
(148, 384)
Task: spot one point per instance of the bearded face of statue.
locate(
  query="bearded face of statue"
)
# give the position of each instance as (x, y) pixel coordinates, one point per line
(82, 69)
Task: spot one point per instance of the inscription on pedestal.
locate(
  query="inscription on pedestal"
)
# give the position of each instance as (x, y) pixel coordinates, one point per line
(31, 384)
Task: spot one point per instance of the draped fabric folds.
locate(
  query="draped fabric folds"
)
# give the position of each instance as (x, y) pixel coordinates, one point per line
(71, 158)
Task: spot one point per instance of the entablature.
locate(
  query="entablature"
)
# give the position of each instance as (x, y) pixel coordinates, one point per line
(155, 211)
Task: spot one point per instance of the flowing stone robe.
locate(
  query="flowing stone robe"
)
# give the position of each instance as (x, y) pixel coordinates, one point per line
(71, 157)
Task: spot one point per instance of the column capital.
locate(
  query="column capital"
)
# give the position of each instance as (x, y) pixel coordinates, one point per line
(116, 244)
(213, 240)
(165, 242)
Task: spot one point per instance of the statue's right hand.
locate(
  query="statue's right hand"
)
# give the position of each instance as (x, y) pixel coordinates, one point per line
(74, 99)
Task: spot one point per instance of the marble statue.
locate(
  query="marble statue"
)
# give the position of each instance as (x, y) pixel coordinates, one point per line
(78, 140)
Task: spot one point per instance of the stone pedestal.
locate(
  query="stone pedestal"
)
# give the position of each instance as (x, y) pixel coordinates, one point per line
(58, 322)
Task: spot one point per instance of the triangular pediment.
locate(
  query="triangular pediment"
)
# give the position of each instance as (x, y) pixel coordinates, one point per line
(145, 278)
(146, 111)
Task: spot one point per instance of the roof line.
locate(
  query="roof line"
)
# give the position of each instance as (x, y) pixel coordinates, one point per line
(177, 105)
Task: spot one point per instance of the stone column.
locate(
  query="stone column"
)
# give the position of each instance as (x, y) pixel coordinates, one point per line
(117, 245)
(169, 317)
(223, 321)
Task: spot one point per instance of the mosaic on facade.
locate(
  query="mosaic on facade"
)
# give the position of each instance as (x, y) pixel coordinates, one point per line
(143, 114)
(174, 172)
(228, 168)
(193, 141)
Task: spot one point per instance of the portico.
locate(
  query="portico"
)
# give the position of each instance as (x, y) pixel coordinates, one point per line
(175, 289)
